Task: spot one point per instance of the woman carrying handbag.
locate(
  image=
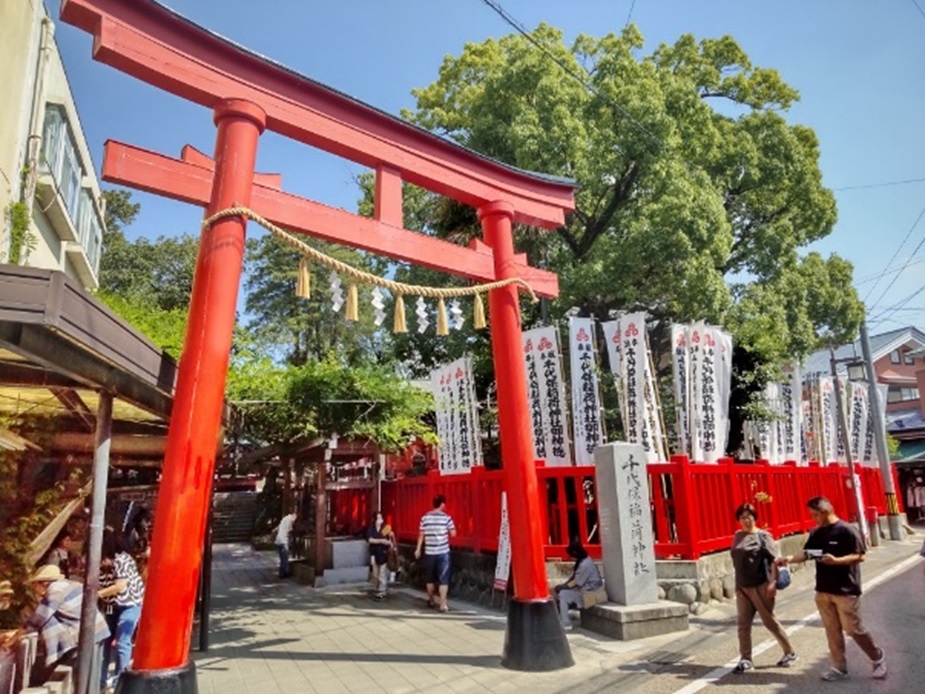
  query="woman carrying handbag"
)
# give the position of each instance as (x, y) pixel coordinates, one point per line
(757, 580)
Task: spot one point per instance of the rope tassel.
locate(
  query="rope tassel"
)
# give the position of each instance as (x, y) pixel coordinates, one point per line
(356, 275)
(303, 281)
(478, 321)
(443, 327)
(400, 326)
(353, 303)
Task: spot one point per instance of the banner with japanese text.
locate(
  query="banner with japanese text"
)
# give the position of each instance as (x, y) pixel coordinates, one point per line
(457, 417)
(792, 413)
(503, 561)
(828, 416)
(546, 394)
(858, 420)
(682, 385)
(586, 397)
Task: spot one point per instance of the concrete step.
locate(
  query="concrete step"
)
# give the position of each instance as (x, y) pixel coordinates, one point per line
(335, 577)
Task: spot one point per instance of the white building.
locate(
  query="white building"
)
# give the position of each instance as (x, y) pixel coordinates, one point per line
(46, 172)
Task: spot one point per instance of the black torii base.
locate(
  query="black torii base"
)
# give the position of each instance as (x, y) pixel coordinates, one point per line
(535, 640)
(181, 680)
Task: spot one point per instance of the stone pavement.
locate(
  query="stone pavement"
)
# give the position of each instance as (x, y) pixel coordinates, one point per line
(278, 636)
(271, 636)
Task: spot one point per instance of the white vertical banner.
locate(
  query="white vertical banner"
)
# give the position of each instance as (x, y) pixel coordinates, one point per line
(806, 438)
(546, 391)
(457, 417)
(613, 340)
(713, 448)
(695, 340)
(791, 404)
(682, 385)
(656, 433)
(842, 454)
(472, 411)
(441, 388)
(857, 419)
(828, 432)
(535, 388)
(586, 395)
(723, 371)
(635, 364)
(503, 562)
(771, 445)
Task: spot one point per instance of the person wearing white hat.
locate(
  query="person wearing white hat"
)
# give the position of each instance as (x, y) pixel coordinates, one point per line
(57, 621)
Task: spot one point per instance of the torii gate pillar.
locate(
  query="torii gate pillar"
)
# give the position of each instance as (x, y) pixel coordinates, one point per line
(161, 658)
(534, 640)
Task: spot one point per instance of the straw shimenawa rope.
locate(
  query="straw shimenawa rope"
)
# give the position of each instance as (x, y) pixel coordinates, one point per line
(399, 289)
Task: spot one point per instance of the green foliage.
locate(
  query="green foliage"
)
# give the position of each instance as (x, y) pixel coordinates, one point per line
(24, 516)
(166, 328)
(363, 401)
(696, 196)
(283, 404)
(296, 330)
(120, 210)
(19, 217)
(157, 274)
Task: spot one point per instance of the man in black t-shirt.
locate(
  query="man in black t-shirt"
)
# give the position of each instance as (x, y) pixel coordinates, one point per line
(838, 551)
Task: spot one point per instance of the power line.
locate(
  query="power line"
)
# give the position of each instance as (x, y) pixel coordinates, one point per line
(522, 30)
(918, 7)
(905, 265)
(885, 184)
(629, 15)
(888, 313)
(867, 279)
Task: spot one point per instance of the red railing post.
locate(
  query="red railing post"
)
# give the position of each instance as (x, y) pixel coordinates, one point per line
(685, 508)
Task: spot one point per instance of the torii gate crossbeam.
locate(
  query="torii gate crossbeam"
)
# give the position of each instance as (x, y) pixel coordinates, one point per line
(247, 94)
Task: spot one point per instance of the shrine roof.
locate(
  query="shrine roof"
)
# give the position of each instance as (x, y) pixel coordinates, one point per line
(158, 45)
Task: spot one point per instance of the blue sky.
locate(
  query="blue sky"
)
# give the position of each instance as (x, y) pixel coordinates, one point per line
(859, 67)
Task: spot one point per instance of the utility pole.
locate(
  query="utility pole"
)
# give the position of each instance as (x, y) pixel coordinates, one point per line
(846, 442)
(883, 455)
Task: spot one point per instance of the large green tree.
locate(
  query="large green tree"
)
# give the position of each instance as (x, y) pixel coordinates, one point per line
(694, 188)
(296, 330)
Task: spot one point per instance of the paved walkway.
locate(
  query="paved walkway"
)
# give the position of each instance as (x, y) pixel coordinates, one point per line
(277, 636)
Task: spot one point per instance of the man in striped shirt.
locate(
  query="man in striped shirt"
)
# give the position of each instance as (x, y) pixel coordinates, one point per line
(436, 530)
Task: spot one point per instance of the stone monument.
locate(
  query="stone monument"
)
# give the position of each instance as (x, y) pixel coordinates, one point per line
(627, 543)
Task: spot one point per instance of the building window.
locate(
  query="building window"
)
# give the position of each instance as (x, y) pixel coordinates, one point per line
(894, 356)
(902, 394)
(908, 359)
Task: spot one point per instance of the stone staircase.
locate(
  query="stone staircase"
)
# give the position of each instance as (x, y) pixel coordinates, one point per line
(233, 515)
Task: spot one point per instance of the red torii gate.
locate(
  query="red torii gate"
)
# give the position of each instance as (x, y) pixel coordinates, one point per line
(248, 93)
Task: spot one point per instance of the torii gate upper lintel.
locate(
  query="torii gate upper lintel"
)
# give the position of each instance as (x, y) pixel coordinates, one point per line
(249, 93)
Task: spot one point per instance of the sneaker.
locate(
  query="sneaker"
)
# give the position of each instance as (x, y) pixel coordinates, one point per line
(566, 627)
(834, 675)
(743, 667)
(880, 667)
(788, 660)
(379, 597)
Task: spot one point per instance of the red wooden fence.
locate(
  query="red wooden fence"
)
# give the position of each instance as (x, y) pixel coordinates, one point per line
(692, 505)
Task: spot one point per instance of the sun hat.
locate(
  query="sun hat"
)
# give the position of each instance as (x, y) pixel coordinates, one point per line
(47, 574)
